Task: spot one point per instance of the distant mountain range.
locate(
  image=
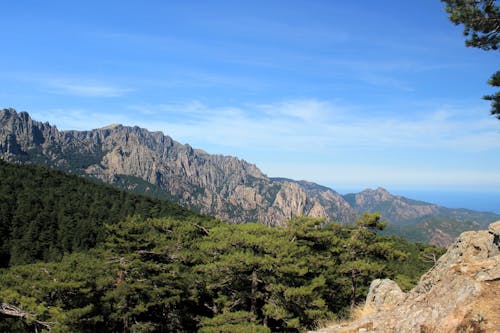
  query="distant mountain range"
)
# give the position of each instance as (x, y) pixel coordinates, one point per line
(223, 186)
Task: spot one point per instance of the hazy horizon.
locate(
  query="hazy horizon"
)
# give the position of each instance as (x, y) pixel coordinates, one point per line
(480, 200)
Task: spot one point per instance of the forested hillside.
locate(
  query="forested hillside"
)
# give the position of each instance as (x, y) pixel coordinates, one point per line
(79, 264)
(45, 213)
(231, 189)
(179, 275)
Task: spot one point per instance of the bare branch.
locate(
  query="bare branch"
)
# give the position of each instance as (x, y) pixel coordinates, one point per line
(13, 311)
(202, 228)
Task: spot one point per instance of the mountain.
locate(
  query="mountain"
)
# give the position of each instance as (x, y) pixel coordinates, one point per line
(231, 189)
(408, 211)
(459, 294)
(392, 207)
(150, 162)
(417, 220)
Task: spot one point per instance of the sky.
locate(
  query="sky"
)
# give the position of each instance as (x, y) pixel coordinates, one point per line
(348, 94)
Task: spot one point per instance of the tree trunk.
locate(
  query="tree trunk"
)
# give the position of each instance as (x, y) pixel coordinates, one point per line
(253, 306)
(353, 290)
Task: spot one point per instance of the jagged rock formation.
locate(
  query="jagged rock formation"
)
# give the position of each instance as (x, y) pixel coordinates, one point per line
(460, 294)
(134, 158)
(223, 186)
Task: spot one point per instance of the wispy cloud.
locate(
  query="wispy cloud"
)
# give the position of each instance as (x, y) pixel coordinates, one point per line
(67, 84)
(86, 89)
(303, 124)
(80, 118)
(324, 141)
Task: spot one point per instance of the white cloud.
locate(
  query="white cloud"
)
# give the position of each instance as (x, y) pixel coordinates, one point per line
(79, 119)
(302, 124)
(325, 141)
(86, 89)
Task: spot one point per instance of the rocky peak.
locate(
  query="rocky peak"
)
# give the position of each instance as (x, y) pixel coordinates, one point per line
(373, 197)
(19, 133)
(112, 126)
(460, 294)
(224, 186)
(394, 208)
(132, 157)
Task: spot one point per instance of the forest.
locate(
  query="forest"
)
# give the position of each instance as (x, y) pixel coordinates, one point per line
(84, 257)
(45, 213)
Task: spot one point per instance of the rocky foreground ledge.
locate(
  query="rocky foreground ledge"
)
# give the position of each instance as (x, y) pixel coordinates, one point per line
(460, 294)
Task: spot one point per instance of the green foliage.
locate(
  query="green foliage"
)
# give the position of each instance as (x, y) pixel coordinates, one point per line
(45, 213)
(494, 98)
(66, 294)
(182, 272)
(155, 287)
(194, 273)
(481, 20)
(365, 256)
(233, 322)
(371, 221)
(430, 253)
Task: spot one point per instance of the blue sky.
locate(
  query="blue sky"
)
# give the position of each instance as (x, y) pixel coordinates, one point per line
(349, 94)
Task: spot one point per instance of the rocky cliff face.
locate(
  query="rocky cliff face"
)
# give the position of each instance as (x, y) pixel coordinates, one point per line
(460, 294)
(223, 186)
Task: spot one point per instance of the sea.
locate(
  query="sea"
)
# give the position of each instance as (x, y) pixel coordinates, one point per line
(476, 200)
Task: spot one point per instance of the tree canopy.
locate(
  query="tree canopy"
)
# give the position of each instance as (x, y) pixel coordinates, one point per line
(189, 274)
(481, 21)
(83, 257)
(45, 213)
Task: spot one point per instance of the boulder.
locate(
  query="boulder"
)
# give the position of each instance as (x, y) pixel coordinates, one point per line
(384, 293)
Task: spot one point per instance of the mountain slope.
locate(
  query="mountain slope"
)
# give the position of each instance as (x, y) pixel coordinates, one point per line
(45, 213)
(417, 220)
(132, 157)
(223, 186)
(408, 211)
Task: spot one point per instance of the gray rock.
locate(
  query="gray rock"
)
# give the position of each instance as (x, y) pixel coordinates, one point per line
(460, 294)
(134, 158)
(384, 293)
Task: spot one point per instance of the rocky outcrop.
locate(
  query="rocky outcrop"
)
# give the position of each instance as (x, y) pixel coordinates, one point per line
(134, 158)
(383, 293)
(460, 294)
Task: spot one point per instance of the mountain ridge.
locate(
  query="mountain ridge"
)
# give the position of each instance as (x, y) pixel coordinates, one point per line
(223, 186)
